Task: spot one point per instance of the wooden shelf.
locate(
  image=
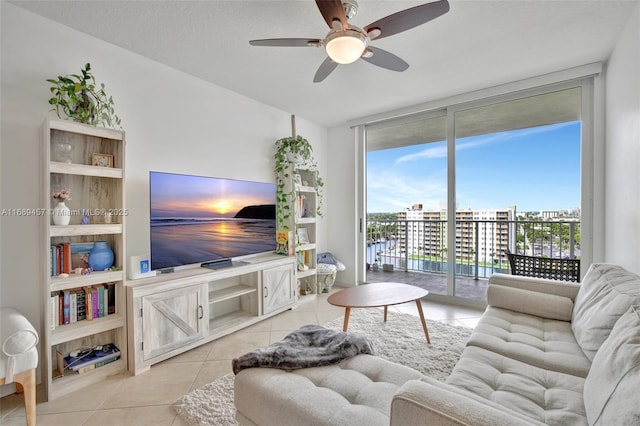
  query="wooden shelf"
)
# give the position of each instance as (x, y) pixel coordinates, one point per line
(305, 247)
(305, 220)
(309, 272)
(229, 293)
(301, 188)
(85, 170)
(93, 189)
(76, 230)
(72, 382)
(77, 330)
(85, 129)
(230, 320)
(75, 281)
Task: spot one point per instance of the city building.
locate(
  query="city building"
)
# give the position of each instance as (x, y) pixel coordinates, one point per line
(484, 234)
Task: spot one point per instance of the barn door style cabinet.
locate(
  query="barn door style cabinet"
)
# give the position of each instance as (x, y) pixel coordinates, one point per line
(89, 162)
(172, 313)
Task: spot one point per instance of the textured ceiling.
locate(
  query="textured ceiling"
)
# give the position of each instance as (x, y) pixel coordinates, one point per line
(477, 44)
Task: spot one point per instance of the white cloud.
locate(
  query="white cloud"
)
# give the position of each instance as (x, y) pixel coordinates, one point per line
(440, 150)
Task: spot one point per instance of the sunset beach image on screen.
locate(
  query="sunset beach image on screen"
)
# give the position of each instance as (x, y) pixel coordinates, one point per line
(196, 219)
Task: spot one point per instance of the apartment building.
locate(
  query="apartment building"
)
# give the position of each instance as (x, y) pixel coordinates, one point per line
(487, 233)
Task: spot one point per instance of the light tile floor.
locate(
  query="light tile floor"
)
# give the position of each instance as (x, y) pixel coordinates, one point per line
(146, 399)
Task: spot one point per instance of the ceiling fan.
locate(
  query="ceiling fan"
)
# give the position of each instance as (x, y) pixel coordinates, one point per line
(346, 43)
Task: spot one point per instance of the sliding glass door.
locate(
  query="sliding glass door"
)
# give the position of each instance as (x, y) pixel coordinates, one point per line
(517, 175)
(406, 179)
(449, 191)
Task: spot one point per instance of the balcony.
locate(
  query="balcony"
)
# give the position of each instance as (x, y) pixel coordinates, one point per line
(417, 250)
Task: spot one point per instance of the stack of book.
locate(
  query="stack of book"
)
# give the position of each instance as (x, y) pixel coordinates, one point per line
(92, 358)
(86, 303)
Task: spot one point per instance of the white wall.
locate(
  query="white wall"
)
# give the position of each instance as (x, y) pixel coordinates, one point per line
(173, 121)
(622, 149)
(342, 223)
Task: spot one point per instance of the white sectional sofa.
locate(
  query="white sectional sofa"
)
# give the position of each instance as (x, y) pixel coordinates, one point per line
(544, 352)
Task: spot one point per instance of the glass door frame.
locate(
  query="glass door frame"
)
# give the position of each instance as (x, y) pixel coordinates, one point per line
(591, 195)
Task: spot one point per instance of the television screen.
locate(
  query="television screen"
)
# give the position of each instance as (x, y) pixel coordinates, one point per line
(197, 219)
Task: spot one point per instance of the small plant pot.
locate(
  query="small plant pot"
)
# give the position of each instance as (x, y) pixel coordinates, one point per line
(374, 267)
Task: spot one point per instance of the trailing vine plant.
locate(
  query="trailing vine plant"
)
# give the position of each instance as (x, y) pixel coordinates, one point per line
(79, 98)
(291, 154)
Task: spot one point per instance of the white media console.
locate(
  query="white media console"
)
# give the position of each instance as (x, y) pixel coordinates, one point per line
(172, 313)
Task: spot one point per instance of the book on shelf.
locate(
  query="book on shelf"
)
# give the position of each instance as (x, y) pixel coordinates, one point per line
(69, 306)
(66, 307)
(73, 306)
(92, 357)
(88, 303)
(66, 258)
(54, 264)
(53, 308)
(111, 302)
(94, 301)
(98, 364)
(81, 304)
(100, 301)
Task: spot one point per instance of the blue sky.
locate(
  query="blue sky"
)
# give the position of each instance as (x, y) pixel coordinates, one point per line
(534, 169)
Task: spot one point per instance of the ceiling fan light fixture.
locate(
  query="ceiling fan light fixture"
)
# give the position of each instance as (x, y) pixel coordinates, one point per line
(345, 46)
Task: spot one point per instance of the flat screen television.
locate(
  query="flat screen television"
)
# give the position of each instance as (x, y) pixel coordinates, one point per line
(200, 220)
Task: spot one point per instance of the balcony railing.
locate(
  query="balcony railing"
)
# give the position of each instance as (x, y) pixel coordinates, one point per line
(421, 245)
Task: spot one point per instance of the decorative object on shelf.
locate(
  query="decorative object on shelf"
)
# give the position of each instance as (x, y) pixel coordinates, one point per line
(284, 242)
(61, 214)
(79, 98)
(85, 218)
(63, 152)
(101, 256)
(291, 153)
(101, 160)
(303, 236)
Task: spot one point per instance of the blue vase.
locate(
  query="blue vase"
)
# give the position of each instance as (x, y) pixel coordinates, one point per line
(100, 256)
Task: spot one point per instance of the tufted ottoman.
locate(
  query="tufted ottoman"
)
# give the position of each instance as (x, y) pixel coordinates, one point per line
(357, 391)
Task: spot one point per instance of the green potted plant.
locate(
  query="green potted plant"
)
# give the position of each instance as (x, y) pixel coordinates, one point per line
(291, 154)
(79, 98)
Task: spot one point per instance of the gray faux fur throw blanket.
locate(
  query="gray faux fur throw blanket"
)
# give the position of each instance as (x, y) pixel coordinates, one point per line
(309, 346)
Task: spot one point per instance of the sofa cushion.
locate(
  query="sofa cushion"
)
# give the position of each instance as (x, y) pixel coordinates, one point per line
(607, 292)
(359, 389)
(530, 302)
(611, 388)
(541, 342)
(547, 396)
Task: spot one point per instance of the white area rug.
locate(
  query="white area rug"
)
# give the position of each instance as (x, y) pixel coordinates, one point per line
(400, 340)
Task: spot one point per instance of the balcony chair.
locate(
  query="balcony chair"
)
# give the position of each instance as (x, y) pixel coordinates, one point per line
(19, 357)
(544, 267)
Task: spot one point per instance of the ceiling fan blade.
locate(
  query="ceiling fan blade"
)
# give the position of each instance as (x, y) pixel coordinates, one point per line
(287, 42)
(332, 10)
(385, 59)
(325, 69)
(407, 19)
